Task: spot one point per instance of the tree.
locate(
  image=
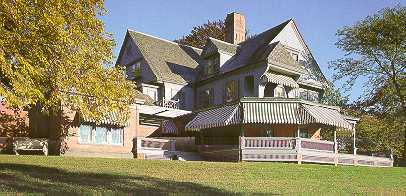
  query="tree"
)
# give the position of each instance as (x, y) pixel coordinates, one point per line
(332, 96)
(376, 50)
(55, 53)
(199, 34)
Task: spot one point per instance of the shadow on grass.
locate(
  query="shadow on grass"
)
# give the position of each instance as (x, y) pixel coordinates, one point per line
(31, 178)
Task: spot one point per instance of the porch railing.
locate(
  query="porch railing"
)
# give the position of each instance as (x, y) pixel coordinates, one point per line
(174, 104)
(320, 145)
(151, 148)
(268, 142)
(302, 150)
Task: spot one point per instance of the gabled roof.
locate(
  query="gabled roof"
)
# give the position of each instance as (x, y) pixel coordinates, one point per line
(276, 54)
(249, 50)
(169, 61)
(221, 46)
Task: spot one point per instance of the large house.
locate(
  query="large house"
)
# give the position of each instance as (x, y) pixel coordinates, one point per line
(255, 99)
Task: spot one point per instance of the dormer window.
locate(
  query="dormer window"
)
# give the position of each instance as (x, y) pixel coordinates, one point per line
(295, 56)
(212, 63)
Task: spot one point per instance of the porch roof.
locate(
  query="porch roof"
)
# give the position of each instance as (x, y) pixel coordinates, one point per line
(269, 111)
(159, 111)
(327, 116)
(218, 117)
(279, 79)
(113, 118)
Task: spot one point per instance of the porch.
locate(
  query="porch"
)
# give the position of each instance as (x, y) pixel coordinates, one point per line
(301, 150)
(278, 129)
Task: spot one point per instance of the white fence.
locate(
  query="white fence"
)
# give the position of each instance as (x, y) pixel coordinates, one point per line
(302, 150)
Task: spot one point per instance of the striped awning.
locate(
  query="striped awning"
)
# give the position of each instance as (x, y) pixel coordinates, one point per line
(218, 117)
(112, 118)
(168, 126)
(271, 113)
(279, 79)
(327, 116)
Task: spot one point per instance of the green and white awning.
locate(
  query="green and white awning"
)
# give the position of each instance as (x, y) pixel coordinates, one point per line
(275, 111)
(279, 79)
(217, 117)
(327, 116)
(271, 113)
(113, 118)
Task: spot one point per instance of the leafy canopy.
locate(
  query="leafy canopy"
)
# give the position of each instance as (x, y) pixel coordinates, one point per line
(53, 52)
(376, 50)
(199, 34)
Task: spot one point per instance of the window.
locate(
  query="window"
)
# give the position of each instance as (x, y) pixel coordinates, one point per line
(100, 134)
(231, 91)
(249, 86)
(303, 133)
(116, 136)
(268, 133)
(295, 56)
(206, 97)
(181, 99)
(279, 91)
(85, 135)
(309, 95)
(211, 64)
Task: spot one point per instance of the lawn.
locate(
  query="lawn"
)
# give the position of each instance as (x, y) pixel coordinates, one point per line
(90, 175)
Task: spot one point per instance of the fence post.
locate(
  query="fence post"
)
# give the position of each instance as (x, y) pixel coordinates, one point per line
(299, 151)
(173, 145)
(242, 145)
(139, 153)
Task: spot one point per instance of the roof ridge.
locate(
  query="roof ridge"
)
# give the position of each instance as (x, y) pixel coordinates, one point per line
(165, 40)
(281, 25)
(223, 41)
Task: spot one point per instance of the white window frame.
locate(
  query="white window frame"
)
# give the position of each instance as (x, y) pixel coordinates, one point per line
(92, 135)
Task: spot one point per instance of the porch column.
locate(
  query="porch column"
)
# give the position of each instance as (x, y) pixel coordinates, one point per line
(335, 148)
(261, 89)
(298, 146)
(354, 147)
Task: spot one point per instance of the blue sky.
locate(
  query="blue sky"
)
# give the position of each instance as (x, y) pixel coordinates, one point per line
(318, 21)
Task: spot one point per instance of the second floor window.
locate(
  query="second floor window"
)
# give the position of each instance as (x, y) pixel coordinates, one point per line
(279, 91)
(206, 97)
(309, 95)
(231, 91)
(211, 65)
(249, 86)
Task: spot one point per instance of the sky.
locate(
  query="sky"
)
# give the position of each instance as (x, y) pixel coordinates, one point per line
(317, 20)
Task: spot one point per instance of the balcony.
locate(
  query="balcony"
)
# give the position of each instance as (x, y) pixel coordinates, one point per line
(174, 104)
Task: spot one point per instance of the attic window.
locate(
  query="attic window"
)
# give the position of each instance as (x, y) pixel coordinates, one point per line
(211, 64)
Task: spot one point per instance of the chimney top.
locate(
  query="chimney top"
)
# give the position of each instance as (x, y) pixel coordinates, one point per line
(235, 28)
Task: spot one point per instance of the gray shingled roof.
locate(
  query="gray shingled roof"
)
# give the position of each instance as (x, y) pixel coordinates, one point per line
(224, 46)
(172, 62)
(249, 50)
(166, 58)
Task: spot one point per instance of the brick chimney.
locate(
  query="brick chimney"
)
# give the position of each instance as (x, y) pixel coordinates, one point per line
(235, 28)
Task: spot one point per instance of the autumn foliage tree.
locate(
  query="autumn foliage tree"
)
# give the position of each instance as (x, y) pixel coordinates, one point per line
(199, 34)
(55, 53)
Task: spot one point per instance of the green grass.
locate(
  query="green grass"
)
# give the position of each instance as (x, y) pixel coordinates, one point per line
(90, 175)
